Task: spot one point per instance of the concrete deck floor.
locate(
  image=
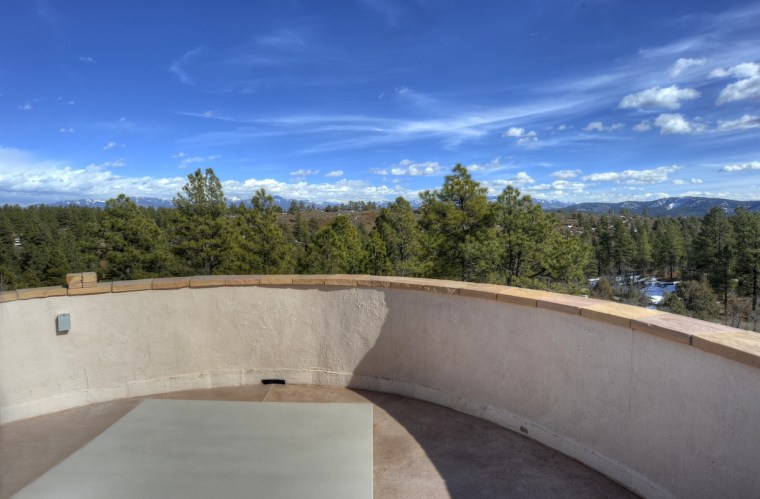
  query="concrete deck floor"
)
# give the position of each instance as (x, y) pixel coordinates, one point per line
(421, 450)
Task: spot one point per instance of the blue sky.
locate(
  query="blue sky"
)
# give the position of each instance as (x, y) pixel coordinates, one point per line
(599, 100)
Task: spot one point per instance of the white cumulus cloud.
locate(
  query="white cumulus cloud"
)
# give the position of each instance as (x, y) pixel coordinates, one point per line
(521, 179)
(747, 87)
(743, 70)
(411, 168)
(65, 130)
(634, 177)
(109, 146)
(753, 165)
(335, 173)
(26, 179)
(652, 98)
(523, 136)
(598, 126)
(676, 124)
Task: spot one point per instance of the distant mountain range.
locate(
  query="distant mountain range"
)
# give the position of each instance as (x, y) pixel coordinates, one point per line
(667, 207)
(167, 203)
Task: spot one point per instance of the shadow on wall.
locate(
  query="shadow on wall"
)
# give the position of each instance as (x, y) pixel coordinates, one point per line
(450, 445)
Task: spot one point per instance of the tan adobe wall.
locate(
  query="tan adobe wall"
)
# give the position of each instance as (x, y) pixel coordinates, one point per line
(664, 404)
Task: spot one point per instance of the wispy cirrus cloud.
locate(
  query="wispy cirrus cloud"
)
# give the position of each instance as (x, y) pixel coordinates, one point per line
(642, 126)
(746, 122)
(303, 173)
(188, 161)
(565, 174)
(684, 64)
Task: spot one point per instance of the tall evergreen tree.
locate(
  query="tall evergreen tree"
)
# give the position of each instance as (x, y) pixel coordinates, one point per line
(267, 249)
(133, 246)
(376, 259)
(622, 247)
(714, 251)
(521, 229)
(644, 251)
(456, 221)
(337, 249)
(398, 229)
(204, 231)
(669, 247)
(747, 229)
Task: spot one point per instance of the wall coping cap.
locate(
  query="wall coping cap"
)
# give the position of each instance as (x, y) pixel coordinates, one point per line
(735, 344)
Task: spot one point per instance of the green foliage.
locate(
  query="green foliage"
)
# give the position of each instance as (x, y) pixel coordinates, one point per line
(132, 245)
(204, 235)
(669, 246)
(644, 250)
(747, 229)
(694, 298)
(376, 261)
(713, 251)
(603, 289)
(337, 249)
(398, 230)
(265, 245)
(459, 235)
(456, 221)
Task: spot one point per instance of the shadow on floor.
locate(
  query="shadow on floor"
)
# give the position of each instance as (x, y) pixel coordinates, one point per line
(421, 450)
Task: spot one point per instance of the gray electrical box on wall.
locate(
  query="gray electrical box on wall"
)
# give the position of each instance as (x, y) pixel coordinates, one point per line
(62, 324)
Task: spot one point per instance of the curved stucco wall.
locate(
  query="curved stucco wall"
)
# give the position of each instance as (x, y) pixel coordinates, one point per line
(666, 405)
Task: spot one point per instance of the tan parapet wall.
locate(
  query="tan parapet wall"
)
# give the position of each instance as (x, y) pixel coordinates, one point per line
(665, 404)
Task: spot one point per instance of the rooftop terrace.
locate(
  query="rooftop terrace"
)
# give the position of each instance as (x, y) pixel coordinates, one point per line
(421, 450)
(663, 404)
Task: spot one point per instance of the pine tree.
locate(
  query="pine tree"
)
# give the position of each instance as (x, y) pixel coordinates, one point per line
(204, 234)
(714, 251)
(747, 229)
(622, 247)
(398, 229)
(669, 247)
(133, 246)
(376, 261)
(643, 254)
(337, 249)
(524, 235)
(455, 219)
(266, 247)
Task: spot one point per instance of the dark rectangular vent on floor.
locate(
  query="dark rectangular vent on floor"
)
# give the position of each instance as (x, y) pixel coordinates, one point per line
(272, 381)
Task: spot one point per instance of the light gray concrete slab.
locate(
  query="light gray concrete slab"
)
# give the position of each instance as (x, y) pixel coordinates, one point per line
(200, 449)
